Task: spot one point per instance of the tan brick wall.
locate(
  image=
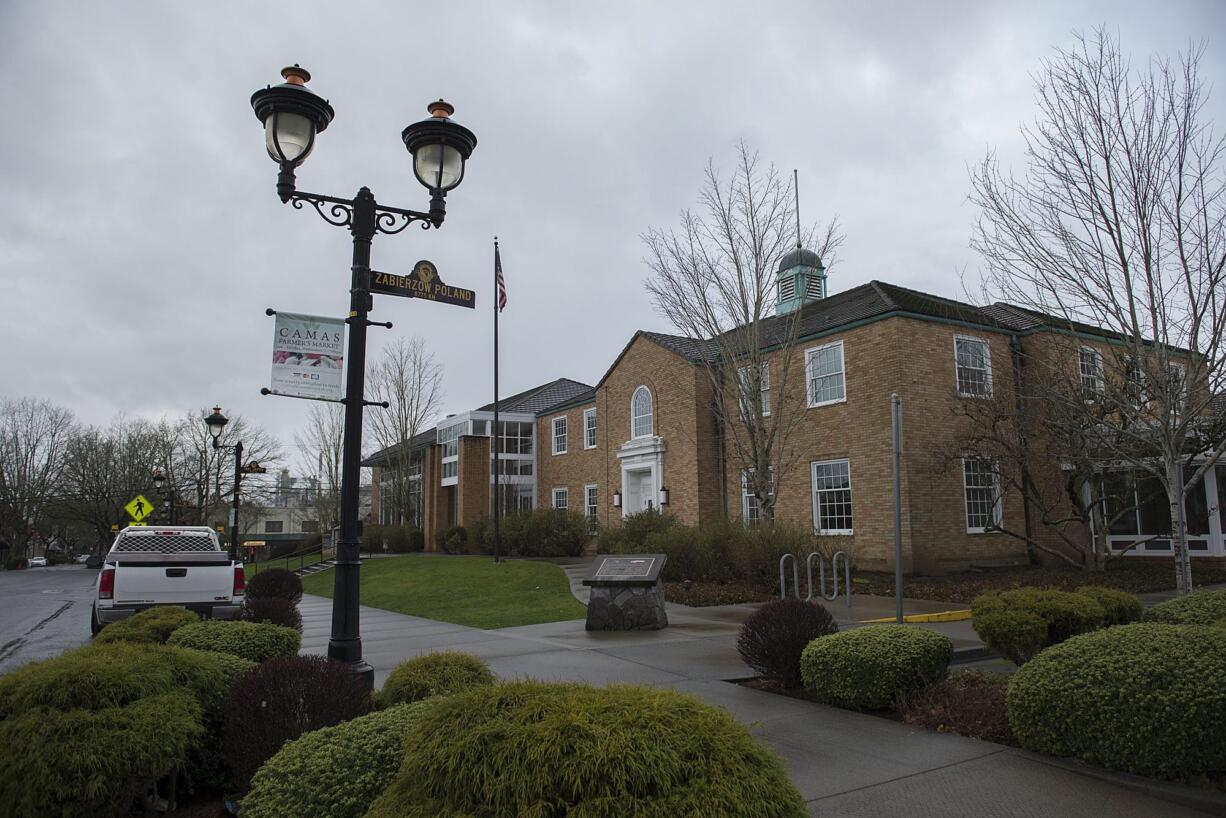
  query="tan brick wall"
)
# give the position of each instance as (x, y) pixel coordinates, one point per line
(576, 468)
(436, 499)
(473, 490)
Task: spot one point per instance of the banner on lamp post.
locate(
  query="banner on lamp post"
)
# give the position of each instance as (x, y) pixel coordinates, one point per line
(308, 356)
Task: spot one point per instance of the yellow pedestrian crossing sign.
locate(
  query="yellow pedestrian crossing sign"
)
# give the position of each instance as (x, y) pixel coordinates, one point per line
(139, 508)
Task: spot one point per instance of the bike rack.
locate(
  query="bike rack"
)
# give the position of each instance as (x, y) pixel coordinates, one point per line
(830, 595)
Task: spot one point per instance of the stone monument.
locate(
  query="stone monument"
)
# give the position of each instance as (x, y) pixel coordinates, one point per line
(627, 594)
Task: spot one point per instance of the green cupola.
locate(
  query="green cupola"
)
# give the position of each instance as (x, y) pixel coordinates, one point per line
(800, 280)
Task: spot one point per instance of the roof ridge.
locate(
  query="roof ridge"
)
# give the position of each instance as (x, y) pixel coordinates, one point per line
(878, 286)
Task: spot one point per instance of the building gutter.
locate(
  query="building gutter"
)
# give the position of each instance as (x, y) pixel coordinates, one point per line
(1015, 355)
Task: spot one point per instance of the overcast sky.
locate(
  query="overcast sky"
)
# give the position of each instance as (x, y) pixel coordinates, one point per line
(141, 237)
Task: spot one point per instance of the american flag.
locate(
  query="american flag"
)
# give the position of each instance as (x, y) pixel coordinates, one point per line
(502, 282)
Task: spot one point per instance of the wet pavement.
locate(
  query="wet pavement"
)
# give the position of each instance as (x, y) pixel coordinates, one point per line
(43, 612)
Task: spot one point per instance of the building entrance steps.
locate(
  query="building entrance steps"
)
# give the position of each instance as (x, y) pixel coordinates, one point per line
(844, 763)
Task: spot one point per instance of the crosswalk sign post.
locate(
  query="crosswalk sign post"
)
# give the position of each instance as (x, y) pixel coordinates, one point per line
(138, 508)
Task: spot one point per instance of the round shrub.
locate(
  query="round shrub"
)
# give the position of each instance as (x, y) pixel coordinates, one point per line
(773, 638)
(273, 610)
(1200, 608)
(151, 626)
(1143, 698)
(1119, 607)
(255, 641)
(531, 748)
(870, 668)
(336, 772)
(275, 582)
(434, 674)
(282, 699)
(1016, 635)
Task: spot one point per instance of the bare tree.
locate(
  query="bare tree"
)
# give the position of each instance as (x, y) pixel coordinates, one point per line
(411, 381)
(319, 457)
(1120, 223)
(34, 435)
(715, 280)
(204, 476)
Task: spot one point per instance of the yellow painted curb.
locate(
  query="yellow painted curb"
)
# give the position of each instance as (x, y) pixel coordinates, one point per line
(941, 616)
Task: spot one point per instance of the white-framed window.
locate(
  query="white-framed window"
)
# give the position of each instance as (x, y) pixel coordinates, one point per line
(824, 373)
(561, 499)
(973, 361)
(559, 435)
(751, 511)
(591, 495)
(832, 497)
(981, 484)
(642, 416)
(1090, 365)
(274, 526)
(589, 428)
(747, 398)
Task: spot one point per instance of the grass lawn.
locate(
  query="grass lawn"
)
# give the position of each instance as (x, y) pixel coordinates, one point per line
(470, 591)
(253, 568)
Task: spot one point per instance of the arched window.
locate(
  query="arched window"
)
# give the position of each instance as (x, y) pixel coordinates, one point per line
(642, 421)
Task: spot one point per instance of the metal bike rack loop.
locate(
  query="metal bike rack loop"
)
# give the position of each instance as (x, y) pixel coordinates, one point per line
(821, 588)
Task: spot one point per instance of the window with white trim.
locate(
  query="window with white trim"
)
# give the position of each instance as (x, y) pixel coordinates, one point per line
(560, 499)
(590, 497)
(832, 497)
(589, 428)
(824, 373)
(981, 484)
(751, 510)
(973, 360)
(559, 435)
(642, 417)
(762, 398)
(1090, 365)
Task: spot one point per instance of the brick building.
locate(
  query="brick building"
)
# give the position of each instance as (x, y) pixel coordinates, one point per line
(645, 435)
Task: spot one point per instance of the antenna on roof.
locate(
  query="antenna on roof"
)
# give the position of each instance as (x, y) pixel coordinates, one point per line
(796, 190)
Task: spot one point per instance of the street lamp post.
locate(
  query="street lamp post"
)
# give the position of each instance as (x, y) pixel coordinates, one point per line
(159, 483)
(292, 116)
(216, 422)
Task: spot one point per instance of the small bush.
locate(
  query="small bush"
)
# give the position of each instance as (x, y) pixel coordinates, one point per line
(1064, 613)
(151, 626)
(1221, 623)
(284, 549)
(275, 582)
(773, 638)
(630, 536)
(871, 668)
(373, 537)
(1016, 635)
(542, 532)
(1119, 607)
(396, 538)
(282, 699)
(452, 540)
(529, 748)
(93, 762)
(417, 540)
(969, 703)
(257, 642)
(1200, 608)
(1144, 698)
(15, 564)
(335, 772)
(434, 674)
(273, 610)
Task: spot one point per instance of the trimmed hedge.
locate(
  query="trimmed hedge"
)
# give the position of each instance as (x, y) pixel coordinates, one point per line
(255, 641)
(434, 674)
(273, 610)
(336, 772)
(1145, 698)
(282, 699)
(871, 668)
(531, 748)
(542, 532)
(151, 626)
(1119, 607)
(1200, 608)
(775, 635)
(278, 583)
(1064, 613)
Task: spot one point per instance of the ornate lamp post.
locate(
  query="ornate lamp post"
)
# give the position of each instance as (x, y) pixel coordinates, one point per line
(293, 116)
(216, 422)
(159, 483)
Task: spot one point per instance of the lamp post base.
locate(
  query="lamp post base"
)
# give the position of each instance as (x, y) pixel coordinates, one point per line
(364, 670)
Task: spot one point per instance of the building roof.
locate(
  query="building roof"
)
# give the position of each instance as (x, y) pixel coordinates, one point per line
(799, 256)
(542, 398)
(418, 441)
(694, 350)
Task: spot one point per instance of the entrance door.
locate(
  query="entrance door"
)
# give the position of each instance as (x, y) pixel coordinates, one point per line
(640, 494)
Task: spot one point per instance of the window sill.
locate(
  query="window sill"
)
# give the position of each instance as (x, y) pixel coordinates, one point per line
(555, 454)
(833, 533)
(827, 403)
(987, 396)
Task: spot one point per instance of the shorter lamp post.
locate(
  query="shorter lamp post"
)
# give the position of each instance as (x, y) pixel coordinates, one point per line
(216, 422)
(159, 483)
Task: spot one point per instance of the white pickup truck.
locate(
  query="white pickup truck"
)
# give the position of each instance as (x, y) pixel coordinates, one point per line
(170, 565)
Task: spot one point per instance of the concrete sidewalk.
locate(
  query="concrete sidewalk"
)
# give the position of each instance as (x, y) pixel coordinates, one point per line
(844, 763)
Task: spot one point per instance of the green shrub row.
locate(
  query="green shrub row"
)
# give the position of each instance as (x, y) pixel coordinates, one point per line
(531, 748)
(1200, 608)
(399, 539)
(1019, 623)
(542, 532)
(873, 667)
(254, 641)
(336, 772)
(151, 626)
(433, 674)
(1146, 698)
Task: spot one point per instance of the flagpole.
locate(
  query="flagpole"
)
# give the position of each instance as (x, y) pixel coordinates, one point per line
(497, 438)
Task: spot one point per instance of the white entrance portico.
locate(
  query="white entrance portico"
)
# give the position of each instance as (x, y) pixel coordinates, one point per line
(642, 468)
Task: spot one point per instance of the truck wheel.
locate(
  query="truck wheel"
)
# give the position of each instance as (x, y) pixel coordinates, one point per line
(94, 627)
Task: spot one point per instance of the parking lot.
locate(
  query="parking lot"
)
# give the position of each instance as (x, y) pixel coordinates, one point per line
(43, 611)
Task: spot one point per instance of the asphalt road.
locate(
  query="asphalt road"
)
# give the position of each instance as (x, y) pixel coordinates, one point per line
(43, 612)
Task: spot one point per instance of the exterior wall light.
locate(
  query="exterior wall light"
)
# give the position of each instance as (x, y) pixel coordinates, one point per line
(663, 496)
(617, 499)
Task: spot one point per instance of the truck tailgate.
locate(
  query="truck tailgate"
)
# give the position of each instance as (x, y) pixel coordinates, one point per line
(175, 581)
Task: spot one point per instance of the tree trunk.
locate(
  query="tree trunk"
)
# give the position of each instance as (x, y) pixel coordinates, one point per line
(1179, 527)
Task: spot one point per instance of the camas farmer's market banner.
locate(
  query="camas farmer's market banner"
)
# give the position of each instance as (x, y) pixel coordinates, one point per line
(308, 356)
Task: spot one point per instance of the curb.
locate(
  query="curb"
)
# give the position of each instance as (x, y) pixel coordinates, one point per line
(940, 616)
(1186, 795)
